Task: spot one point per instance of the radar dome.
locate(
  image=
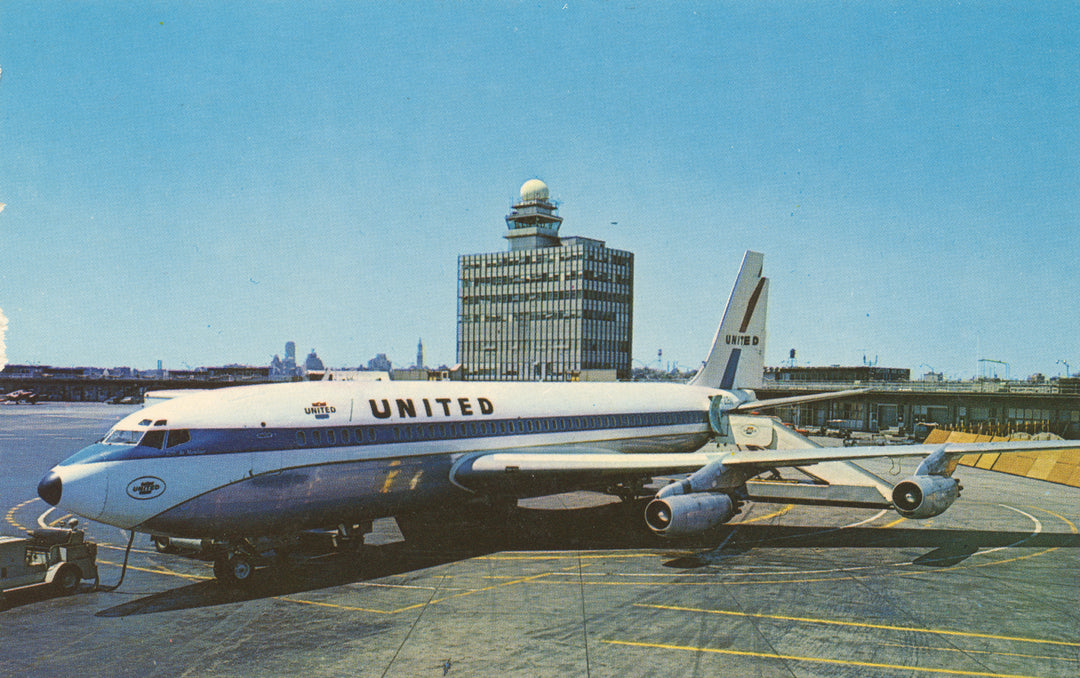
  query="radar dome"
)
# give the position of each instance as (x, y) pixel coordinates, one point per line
(534, 189)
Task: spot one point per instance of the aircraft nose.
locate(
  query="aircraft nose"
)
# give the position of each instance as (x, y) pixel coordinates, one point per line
(50, 488)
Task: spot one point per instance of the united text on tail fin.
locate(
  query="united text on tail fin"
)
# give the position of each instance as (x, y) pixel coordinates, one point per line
(737, 358)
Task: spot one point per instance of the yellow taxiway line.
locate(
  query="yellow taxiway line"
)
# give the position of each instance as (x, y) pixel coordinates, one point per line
(818, 660)
(861, 625)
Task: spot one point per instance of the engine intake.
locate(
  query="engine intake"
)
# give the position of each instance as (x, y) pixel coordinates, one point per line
(685, 514)
(925, 496)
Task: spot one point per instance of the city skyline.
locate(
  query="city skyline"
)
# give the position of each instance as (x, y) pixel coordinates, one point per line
(198, 184)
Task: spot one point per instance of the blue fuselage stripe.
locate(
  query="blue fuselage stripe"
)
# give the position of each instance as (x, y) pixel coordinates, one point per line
(230, 441)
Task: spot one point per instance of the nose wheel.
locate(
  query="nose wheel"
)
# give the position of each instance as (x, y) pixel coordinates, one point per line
(235, 568)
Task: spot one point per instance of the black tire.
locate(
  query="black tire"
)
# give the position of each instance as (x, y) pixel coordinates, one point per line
(234, 569)
(67, 579)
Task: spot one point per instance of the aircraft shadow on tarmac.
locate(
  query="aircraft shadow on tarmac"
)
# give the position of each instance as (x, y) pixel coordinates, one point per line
(437, 539)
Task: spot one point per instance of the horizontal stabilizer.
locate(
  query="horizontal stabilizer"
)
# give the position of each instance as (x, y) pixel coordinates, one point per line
(795, 400)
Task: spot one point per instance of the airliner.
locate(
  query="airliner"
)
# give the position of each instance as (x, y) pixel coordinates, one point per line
(242, 471)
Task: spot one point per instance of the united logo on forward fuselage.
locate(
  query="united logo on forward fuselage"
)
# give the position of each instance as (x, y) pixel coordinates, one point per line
(320, 410)
(146, 487)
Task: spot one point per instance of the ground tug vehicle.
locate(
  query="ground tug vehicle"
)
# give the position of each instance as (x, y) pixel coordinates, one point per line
(59, 556)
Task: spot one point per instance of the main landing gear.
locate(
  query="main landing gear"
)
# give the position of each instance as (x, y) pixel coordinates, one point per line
(233, 568)
(235, 562)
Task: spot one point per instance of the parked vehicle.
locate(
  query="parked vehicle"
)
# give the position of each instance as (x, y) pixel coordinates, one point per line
(58, 556)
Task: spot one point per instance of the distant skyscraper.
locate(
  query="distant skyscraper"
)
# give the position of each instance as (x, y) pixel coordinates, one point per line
(550, 307)
(285, 370)
(380, 363)
(420, 353)
(313, 364)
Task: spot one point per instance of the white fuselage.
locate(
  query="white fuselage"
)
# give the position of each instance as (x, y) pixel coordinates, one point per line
(253, 460)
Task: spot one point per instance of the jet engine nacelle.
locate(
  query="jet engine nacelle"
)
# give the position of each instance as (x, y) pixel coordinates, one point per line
(925, 496)
(685, 514)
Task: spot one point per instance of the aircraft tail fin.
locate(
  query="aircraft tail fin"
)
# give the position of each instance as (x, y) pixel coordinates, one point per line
(737, 358)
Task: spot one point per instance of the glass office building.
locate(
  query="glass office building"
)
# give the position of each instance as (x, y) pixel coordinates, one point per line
(550, 308)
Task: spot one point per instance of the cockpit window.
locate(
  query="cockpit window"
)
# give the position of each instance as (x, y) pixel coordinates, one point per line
(120, 437)
(154, 439)
(178, 437)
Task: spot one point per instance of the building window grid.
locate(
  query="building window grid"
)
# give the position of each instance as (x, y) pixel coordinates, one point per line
(553, 315)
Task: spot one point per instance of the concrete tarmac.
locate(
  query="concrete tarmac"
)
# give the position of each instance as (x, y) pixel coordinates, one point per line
(574, 585)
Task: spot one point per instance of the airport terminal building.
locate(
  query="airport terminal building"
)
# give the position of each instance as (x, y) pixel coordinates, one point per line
(550, 308)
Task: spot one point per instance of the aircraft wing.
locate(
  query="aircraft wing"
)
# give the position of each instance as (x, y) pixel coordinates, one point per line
(802, 457)
(530, 471)
(549, 470)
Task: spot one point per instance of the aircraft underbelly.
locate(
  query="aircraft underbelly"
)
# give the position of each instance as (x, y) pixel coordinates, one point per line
(310, 497)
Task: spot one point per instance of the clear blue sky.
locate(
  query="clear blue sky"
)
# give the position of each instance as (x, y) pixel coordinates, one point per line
(201, 182)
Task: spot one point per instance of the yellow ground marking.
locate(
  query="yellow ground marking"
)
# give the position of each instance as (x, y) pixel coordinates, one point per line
(766, 516)
(563, 555)
(893, 523)
(861, 625)
(348, 608)
(818, 660)
(10, 517)
(433, 601)
(990, 652)
(1024, 557)
(162, 570)
(1057, 515)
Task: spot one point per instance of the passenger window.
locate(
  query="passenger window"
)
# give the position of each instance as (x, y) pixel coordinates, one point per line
(301, 439)
(344, 436)
(155, 439)
(316, 438)
(331, 438)
(178, 437)
(372, 435)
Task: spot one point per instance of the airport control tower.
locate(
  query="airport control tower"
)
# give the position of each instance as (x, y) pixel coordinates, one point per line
(532, 220)
(550, 308)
